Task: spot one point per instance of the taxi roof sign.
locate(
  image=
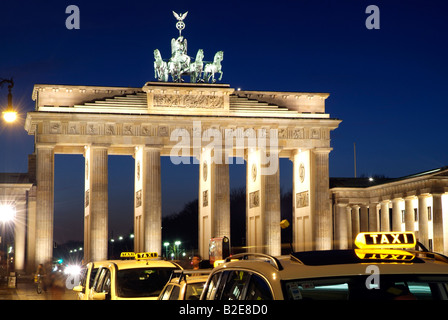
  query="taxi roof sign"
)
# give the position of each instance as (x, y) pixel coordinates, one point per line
(127, 255)
(146, 255)
(379, 240)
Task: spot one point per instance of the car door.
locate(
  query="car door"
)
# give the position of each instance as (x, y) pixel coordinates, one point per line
(237, 285)
(102, 285)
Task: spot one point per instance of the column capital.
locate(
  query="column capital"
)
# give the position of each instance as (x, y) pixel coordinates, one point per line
(151, 146)
(322, 150)
(342, 204)
(97, 145)
(45, 145)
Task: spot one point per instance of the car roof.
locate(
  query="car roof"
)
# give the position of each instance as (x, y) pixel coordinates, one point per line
(189, 276)
(132, 264)
(332, 263)
(191, 279)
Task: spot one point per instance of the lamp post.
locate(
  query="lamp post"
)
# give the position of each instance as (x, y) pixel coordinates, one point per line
(177, 244)
(9, 115)
(166, 245)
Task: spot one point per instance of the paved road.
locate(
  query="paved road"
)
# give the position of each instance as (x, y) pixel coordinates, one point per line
(26, 290)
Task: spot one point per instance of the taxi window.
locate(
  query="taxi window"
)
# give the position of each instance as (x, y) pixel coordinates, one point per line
(166, 293)
(142, 282)
(92, 276)
(103, 284)
(212, 286)
(391, 287)
(234, 285)
(99, 279)
(193, 291)
(175, 293)
(258, 289)
(83, 277)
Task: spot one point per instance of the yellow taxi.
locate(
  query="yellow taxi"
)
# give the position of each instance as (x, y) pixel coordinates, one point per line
(87, 276)
(185, 285)
(384, 266)
(138, 276)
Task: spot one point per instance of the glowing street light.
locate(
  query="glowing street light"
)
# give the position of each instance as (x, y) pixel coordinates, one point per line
(7, 213)
(9, 115)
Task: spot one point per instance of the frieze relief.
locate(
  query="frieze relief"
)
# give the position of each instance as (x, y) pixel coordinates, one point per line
(254, 199)
(302, 199)
(194, 131)
(189, 101)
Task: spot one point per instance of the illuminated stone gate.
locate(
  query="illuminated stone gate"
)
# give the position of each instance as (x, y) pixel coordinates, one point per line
(212, 123)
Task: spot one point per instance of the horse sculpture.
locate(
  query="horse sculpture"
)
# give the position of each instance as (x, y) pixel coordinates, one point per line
(160, 67)
(214, 67)
(196, 67)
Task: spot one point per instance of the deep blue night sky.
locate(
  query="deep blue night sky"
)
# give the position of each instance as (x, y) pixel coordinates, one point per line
(387, 85)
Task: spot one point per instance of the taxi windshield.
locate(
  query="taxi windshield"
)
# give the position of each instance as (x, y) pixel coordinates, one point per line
(389, 287)
(142, 282)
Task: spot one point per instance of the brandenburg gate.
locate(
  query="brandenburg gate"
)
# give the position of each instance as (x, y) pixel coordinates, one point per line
(102, 121)
(200, 122)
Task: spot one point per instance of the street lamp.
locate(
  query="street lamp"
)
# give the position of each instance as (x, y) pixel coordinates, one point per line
(7, 213)
(166, 245)
(9, 115)
(177, 244)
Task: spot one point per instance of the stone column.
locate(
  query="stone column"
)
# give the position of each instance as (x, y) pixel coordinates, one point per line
(148, 200)
(44, 202)
(409, 214)
(437, 223)
(396, 214)
(373, 217)
(262, 205)
(385, 224)
(96, 203)
(214, 200)
(31, 232)
(341, 226)
(302, 206)
(20, 235)
(423, 220)
(322, 218)
(364, 219)
(356, 226)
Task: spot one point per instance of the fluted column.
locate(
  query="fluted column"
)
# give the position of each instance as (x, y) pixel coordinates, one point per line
(214, 199)
(148, 200)
(44, 202)
(31, 231)
(356, 226)
(263, 203)
(437, 223)
(20, 235)
(373, 217)
(322, 218)
(423, 220)
(409, 214)
(364, 218)
(396, 214)
(153, 196)
(341, 226)
(385, 224)
(96, 203)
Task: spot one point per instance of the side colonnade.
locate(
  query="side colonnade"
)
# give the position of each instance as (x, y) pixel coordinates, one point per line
(416, 203)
